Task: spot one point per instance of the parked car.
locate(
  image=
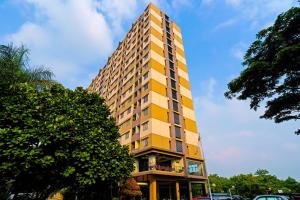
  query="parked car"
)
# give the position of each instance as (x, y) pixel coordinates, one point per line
(201, 198)
(237, 197)
(221, 196)
(271, 197)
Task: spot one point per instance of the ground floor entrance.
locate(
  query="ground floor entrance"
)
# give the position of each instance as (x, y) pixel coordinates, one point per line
(171, 188)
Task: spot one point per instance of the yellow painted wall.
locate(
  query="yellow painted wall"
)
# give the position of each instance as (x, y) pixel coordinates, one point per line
(187, 102)
(185, 83)
(159, 77)
(155, 20)
(182, 66)
(185, 92)
(159, 113)
(153, 7)
(157, 48)
(157, 87)
(158, 57)
(159, 99)
(179, 39)
(188, 113)
(157, 66)
(159, 141)
(194, 151)
(180, 52)
(156, 33)
(191, 137)
(190, 125)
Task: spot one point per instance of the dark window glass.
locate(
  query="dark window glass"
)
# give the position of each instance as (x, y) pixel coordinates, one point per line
(168, 35)
(176, 118)
(175, 106)
(172, 74)
(169, 42)
(178, 146)
(145, 76)
(170, 49)
(168, 29)
(174, 94)
(146, 86)
(173, 84)
(177, 132)
(170, 56)
(171, 65)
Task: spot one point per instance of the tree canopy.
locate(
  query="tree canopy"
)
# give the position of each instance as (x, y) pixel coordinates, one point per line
(15, 68)
(272, 73)
(58, 138)
(251, 185)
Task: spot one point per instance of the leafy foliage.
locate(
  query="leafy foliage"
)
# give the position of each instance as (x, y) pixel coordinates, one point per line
(251, 185)
(131, 188)
(58, 138)
(273, 70)
(15, 69)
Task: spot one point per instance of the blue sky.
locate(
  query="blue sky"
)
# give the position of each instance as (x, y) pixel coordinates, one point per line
(75, 37)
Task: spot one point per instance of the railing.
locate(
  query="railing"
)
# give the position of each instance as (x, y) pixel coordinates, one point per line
(158, 167)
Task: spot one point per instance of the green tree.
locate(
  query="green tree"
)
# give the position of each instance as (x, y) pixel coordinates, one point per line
(58, 138)
(272, 73)
(15, 69)
(219, 183)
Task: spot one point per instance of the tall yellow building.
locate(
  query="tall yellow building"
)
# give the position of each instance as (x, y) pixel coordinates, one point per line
(146, 85)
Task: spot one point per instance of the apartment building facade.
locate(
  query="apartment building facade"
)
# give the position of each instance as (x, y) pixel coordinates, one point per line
(146, 85)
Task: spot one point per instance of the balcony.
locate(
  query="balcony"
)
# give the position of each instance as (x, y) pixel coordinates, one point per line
(160, 164)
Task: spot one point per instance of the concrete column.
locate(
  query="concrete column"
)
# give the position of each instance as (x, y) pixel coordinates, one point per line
(177, 191)
(190, 191)
(152, 189)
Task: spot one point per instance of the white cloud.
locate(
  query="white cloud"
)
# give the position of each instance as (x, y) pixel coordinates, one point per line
(233, 2)
(207, 2)
(66, 36)
(73, 36)
(238, 51)
(235, 140)
(254, 13)
(117, 11)
(225, 24)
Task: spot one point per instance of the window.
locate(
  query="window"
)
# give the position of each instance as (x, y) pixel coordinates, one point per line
(168, 35)
(145, 99)
(122, 115)
(126, 135)
(170, 56)
(145, 65)
(175, 106)
(171, 64)
(177, 132)
(145, 76)
(169, 42)
(176, 118)
(146, 86)
(168, 29)
(146, 111)
(129, 110)
(196, 168)
(172, 74)
(178, 146)
(170, 49)
(130, 89)
(133, 145)
(173, 84)
(145, 142)
(174, 94)
(145, 126)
